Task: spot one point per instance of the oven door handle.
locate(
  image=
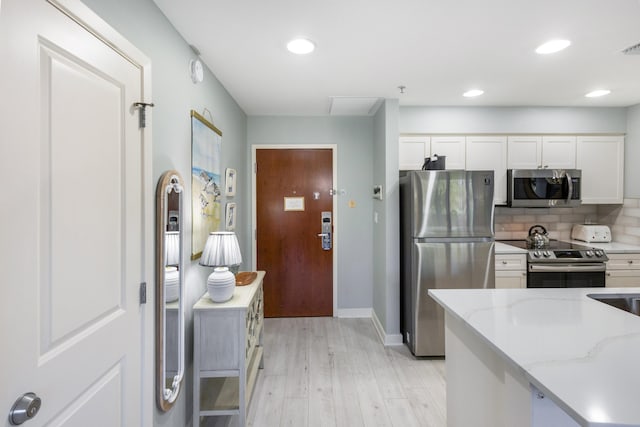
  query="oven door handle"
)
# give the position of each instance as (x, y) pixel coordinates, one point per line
(566, 268)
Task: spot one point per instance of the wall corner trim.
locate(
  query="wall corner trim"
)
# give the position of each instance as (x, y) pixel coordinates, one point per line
(386, 339)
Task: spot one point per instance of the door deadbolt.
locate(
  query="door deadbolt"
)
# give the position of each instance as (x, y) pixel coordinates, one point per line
(25, 408)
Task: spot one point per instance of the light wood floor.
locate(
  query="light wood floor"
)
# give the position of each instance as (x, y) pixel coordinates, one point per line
(335, 372)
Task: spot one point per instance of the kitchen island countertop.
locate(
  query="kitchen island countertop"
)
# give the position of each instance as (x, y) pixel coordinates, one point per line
(582, 353)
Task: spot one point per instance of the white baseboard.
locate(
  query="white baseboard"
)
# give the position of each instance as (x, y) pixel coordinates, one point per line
(354, 313)
(387, 339)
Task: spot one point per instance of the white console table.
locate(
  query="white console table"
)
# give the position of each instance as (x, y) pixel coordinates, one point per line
(227, 352)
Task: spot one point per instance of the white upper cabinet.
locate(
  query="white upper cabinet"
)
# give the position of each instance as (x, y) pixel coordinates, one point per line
(413, 150)
(451, 146)
(559, 152)
(601, 159)
(524, 152)
(490, 153)
(547, 152)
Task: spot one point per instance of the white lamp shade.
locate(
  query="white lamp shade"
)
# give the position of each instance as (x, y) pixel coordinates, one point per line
(172, 247)
(221, 249)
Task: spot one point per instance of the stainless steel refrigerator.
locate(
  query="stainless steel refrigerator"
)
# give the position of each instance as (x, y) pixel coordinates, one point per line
(447, 241)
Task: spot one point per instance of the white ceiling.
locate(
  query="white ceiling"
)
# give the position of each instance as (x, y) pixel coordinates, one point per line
(436, 48)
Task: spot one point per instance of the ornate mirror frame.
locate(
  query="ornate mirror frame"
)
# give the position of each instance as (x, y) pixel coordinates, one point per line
(170, 325)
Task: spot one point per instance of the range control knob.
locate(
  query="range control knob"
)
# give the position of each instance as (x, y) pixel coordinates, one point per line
(546, 254)
(537, 254)
(589, 253)
(599, 253)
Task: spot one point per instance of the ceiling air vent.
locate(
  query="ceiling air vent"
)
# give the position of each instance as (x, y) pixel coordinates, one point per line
(632, 50)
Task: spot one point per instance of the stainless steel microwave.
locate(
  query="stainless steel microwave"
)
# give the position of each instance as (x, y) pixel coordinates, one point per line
(540, 188)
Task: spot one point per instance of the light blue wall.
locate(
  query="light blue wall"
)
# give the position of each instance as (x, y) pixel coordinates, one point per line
(632, 154)
(354, 241)
(392, 223)
(174, 95)
(386, 293)
(380, 211)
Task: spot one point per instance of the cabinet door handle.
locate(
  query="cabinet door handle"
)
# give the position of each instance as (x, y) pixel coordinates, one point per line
(630, 261)
(504, 262)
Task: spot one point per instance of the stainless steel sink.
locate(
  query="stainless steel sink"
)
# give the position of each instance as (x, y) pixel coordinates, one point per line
(624, 301)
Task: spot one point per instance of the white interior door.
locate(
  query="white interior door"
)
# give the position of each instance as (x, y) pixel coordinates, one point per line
(73, 235)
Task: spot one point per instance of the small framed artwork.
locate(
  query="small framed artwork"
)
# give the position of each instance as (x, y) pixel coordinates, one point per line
(230, 216)
(230, 182)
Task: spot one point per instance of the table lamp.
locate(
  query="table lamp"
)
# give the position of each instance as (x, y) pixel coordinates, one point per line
(221, 251)
(172, 247)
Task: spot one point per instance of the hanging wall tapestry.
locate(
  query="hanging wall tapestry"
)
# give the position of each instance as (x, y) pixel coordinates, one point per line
(206, 143)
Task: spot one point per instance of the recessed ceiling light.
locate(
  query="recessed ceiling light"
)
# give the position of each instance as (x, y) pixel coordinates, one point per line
(473, 92)
(301, 46)
(552, 46)
(597, 93)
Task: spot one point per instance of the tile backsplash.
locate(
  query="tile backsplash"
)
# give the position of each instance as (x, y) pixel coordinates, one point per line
(514, 223)
(624, 220)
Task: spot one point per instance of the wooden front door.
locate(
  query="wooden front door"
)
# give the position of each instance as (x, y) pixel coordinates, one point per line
(292, 192)
(74, 241)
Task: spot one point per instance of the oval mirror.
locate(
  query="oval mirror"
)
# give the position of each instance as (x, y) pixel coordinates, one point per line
(169, 289)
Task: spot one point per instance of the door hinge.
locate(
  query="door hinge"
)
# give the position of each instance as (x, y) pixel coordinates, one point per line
(143, 293)
(142, 110)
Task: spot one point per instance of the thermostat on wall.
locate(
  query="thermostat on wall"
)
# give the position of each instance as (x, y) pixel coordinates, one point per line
(377, 192)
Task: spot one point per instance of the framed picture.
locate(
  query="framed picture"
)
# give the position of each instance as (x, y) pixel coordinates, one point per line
(206, 144)
(230, 182)
(230, 216)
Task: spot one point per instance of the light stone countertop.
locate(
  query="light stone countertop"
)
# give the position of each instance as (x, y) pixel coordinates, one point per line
(503, 248)
(582, 353)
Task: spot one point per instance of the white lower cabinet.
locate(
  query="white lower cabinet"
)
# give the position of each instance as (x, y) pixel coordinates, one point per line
(623, 270)
(227, 348)
(511, 271)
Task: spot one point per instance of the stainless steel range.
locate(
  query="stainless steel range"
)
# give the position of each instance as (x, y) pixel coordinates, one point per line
(563, 265)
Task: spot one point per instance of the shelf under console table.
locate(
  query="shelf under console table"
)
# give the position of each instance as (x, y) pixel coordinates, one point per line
(228, 352)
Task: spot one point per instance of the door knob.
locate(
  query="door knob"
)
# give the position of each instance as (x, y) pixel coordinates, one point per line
(25, 408)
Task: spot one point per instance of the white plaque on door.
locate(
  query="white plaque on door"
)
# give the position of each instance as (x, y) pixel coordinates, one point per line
(294, 203)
